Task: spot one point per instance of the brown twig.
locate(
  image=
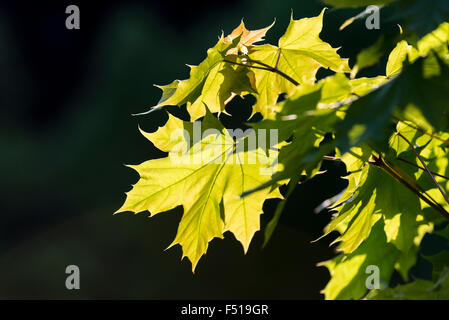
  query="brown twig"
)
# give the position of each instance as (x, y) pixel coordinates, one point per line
(417, 166)
(423, 163)
(265, 67)
(380, 163)
(331, 158)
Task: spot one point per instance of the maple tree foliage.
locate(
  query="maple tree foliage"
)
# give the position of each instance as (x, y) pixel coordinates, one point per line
(390, 131)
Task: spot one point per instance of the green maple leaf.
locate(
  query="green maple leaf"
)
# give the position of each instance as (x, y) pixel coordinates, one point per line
(376, 198)
(300, 53)
(382, 220)
(369, 56)
(371, 192)
(348, 272)
(397, 57)
(213, 82)
(190, 90)
(209, 189)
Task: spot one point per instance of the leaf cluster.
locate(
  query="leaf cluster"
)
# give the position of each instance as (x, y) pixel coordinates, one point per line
(390, 131)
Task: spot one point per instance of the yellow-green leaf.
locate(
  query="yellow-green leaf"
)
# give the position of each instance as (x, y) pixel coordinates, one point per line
(204, 178)
(300, 54)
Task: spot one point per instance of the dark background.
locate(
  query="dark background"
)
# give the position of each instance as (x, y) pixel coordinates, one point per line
(66, 99)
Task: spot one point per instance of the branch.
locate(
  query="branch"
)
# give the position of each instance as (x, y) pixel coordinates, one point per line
(414, 183)
(408, 182)
(415, 165)
(275, 69)
(380, 163)
(427, 169)
(331, 158)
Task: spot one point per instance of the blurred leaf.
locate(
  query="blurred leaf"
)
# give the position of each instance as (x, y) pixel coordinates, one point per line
(369, 56)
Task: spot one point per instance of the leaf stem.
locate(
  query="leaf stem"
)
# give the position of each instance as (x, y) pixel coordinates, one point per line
(275, 69)
(265, 67)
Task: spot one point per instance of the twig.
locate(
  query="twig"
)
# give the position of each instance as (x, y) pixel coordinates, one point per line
(275, 69)
(417, 166)
(427, 169)
(265, 67)
(414, 183)
(412, 186)
(331, 158)
(380, 163)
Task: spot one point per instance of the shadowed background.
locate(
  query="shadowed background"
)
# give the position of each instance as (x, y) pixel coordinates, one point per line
(66, 130)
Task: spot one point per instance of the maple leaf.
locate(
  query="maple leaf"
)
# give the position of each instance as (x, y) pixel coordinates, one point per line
(369, 56)
(370, 194)
(209, 190)
(300, 54)
(374, 198)
(213, 83)
(397, 175)
(348, 272)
